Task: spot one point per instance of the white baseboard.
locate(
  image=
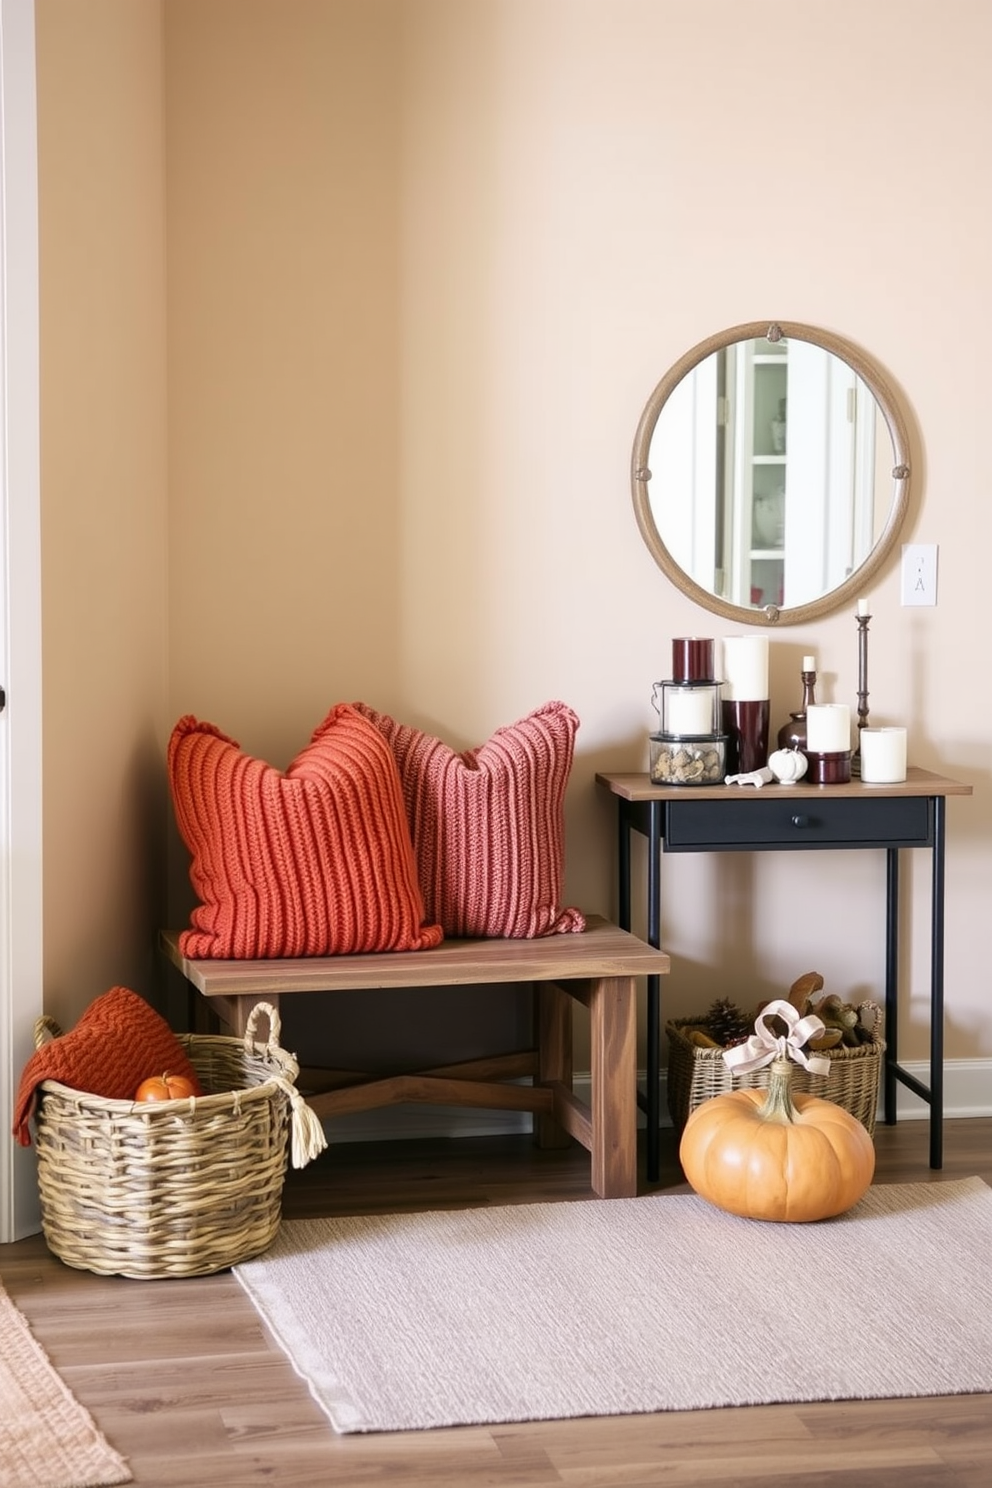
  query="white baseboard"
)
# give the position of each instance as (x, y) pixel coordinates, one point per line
(967, 1092)
(967, 1089)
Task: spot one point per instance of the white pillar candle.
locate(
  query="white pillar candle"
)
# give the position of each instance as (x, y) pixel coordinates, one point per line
(883, 755)
(828, 728)
(689, 710)
(862, 607)
(745, 668)
(809, 663)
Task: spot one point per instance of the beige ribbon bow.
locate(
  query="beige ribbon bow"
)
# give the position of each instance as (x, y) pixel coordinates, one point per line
(763, 1046)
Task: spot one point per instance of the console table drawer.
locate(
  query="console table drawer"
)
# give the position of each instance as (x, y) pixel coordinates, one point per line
(750, 825)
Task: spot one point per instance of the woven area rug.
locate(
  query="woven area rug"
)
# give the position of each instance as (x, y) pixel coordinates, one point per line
(612, 1307)
(47, 1439)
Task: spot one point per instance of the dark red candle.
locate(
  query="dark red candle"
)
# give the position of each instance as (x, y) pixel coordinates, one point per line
(833, 768)
(692, 659)
(746, 727)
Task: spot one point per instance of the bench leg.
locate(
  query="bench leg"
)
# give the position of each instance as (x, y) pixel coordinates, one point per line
(613, 1036)
(233, 1012)
(553, 1015)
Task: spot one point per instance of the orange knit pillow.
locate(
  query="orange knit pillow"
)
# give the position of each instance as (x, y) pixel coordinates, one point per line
(119, 1041)
(314, 862)
(488, 824)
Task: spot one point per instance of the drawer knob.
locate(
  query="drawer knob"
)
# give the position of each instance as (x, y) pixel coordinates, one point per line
(800, 821)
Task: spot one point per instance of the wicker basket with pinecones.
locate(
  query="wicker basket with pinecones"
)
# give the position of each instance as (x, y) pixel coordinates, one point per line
(852, 1040)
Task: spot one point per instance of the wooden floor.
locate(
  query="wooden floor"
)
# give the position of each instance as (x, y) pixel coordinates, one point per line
(183, 1380)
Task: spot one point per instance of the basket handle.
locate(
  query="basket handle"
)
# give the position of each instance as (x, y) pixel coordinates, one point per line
(263, 1009)
(872, 1010)
(45, 1029)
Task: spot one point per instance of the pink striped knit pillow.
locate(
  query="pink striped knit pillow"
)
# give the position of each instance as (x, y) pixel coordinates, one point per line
(488, 824)
(314, 862)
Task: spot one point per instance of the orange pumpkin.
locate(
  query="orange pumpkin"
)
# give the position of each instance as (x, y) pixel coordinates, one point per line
(766, 1154)
(164, 1088)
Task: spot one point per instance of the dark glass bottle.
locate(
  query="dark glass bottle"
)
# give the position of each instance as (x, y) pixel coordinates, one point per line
(792, 735)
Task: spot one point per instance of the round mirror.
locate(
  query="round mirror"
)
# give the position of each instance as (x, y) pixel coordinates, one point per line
(770, 473)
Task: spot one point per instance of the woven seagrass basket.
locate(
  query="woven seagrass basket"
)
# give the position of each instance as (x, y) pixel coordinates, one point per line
(694, 1074)
(181, 1188)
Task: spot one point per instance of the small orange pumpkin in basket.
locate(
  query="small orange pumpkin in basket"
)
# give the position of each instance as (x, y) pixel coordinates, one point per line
(164, 1088)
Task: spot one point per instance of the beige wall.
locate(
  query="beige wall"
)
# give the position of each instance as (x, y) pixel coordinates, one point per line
(282, 129)
(104, 492)
(426, 261)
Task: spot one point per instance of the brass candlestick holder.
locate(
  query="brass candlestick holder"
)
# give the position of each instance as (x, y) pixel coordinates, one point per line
(862, 617)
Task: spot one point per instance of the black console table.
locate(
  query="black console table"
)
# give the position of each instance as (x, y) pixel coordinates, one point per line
(796, 817)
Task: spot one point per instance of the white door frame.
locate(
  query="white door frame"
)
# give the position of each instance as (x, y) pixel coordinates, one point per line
(20, 603)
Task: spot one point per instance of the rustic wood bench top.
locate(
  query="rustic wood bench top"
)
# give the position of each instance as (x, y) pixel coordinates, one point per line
(596, 968)
(601, 950)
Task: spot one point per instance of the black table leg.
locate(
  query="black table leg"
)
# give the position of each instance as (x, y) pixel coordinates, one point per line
(891, 983)
(937, 989)
(650, 823)
(623, 868)
(933, 1093)
(654, 996)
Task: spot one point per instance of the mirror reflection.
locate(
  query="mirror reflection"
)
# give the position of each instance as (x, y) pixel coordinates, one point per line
(771, 470)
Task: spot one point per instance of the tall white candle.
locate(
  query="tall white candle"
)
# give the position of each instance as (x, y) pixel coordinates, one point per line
(828, 728)
(745, 668)
(809, 663)
(862, 607)
(689, 710)
(883, 755)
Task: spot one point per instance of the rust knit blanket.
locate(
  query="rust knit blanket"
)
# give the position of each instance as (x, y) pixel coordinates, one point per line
(119, 1041)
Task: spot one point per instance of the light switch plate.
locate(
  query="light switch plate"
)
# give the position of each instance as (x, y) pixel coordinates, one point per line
(919, 573)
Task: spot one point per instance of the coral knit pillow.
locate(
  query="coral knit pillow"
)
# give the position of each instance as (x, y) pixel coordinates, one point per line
(314, 862)
(119, 1041)
(488, 824)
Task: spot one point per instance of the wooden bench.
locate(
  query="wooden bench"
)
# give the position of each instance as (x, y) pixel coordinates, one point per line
(596, 968)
